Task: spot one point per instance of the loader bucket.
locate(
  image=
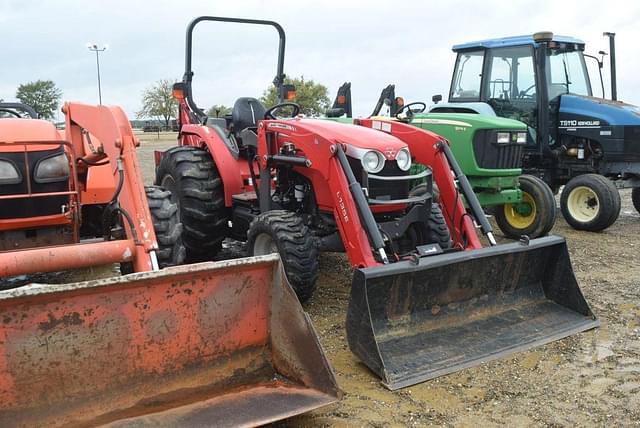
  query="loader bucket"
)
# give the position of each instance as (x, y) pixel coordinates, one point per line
(212, 344)
(412, 322)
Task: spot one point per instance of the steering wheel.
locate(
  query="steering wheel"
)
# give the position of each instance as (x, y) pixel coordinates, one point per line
(269, 113)
(410, 111)
(11, 112)
(524, 94)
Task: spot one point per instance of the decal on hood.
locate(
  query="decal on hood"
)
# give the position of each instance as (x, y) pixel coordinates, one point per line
(281, 126)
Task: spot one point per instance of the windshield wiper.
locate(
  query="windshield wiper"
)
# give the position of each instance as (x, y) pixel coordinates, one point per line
(566, 74)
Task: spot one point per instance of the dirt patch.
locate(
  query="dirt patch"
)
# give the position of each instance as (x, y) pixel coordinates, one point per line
(592, 378)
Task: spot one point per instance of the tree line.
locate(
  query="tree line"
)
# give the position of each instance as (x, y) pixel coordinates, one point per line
(158, 101)
(42, 95)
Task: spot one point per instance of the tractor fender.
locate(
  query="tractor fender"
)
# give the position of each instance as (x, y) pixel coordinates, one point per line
(228, 166)
(478, 108)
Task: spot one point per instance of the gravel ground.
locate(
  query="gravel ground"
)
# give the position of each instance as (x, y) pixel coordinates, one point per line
(592, 378)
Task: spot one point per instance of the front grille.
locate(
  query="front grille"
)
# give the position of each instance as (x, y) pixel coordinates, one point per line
(30, 207)
(380, 189)
(490, 155)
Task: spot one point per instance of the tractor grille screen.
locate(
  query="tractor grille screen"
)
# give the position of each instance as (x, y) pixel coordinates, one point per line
(29, 207)
(380, 189)
(491, 155)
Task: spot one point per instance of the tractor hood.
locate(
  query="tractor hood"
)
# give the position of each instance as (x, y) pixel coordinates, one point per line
(467, 120)
(355, 136)
(606, 112)
(16, 131)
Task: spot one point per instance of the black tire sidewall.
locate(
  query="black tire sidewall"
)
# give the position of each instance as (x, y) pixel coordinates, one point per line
(608, 200)
(204, 218)
(546, 215)
(296, 247)
(635, 198)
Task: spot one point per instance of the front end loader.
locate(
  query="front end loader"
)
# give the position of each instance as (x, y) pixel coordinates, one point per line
(426, 298)
(224, 344)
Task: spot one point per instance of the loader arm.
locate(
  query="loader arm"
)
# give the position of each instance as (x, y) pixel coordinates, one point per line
(426, 148)
(115, 141)
(320, 153)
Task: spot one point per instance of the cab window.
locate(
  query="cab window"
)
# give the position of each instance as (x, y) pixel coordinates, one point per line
(467, 77)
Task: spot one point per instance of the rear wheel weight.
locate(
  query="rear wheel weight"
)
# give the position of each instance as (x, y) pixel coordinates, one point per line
(284, 232)
(534, 216)
(590, 202)
(192, 177)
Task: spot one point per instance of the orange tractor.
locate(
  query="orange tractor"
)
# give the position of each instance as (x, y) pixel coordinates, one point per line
(223, 344)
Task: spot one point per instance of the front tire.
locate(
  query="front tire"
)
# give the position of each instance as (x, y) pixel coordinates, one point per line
(590, 202)
(164, 213)
(192, 177)
(534, 216)
(635, 198)
(284, 232)
(438, 232)
(432, 231)
(168, 229)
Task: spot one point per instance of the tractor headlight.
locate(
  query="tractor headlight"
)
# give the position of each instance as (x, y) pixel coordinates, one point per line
(404, 159)
(373, 161)
(503, 138)
(9, 173)
(51, 169)
(521, 137)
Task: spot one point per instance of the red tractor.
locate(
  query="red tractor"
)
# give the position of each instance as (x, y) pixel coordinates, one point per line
(301, 186)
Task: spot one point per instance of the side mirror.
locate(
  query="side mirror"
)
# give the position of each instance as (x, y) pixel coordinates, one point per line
(436, 98)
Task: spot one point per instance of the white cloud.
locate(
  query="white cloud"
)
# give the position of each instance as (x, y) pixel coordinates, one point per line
(370, 43)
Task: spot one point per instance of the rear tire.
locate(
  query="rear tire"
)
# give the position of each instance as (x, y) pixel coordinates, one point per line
(590, 202)
(168, 229)
(534, 216)
(192, 177)
(635, 198)
(285, 233)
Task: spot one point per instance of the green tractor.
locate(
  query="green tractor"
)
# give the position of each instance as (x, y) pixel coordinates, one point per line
(489, 150)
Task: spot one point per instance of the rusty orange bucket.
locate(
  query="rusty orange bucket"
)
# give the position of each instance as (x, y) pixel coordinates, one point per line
(211, 344)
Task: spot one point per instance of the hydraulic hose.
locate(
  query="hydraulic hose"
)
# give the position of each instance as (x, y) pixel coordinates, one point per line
(469, 194)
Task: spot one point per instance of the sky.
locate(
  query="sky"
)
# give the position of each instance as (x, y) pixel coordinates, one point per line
(369, 43)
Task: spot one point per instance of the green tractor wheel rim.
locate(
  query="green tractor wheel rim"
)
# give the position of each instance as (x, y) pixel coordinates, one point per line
(522, 214)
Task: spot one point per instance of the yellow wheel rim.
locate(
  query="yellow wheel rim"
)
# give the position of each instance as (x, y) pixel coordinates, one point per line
(583, 204)
(519, 218)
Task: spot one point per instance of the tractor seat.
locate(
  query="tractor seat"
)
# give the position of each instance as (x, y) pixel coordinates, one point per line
(245, 114)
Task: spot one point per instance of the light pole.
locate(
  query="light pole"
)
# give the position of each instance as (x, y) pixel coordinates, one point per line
(94, 47)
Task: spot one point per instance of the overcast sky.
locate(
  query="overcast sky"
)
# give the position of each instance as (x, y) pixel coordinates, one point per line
(370, 43)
